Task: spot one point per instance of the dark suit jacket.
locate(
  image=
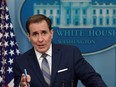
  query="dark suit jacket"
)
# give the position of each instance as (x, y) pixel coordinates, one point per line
(68, 66)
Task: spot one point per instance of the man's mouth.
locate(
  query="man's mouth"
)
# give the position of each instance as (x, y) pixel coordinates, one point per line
(41, 46)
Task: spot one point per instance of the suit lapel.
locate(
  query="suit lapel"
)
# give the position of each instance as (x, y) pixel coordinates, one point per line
(36, 68)
(56, 55)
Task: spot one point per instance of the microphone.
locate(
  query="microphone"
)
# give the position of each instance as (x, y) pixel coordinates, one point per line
(72, 83)
(63, 83)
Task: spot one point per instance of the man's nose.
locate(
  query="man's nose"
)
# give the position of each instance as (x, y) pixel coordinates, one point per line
(40, 38)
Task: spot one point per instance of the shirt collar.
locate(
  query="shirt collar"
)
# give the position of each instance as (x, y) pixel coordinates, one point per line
(49, 52)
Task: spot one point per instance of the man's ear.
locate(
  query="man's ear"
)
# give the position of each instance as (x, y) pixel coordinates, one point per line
(52, 32)
(28, 36)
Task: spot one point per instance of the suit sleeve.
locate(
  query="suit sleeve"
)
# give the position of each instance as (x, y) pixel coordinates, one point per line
(85, 72)
(17, 74)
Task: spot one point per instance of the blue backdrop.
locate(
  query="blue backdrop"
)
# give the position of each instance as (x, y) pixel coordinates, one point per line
(104, 62)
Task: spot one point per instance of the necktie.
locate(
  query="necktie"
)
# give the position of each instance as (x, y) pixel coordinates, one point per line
(45, 69)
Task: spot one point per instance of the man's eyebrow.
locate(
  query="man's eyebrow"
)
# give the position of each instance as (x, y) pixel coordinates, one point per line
(44, 30)
(35, 32)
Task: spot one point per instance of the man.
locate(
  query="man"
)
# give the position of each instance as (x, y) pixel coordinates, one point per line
(64, 64)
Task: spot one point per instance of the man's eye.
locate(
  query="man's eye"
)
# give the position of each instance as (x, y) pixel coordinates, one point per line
(34, 34)
(44, 32)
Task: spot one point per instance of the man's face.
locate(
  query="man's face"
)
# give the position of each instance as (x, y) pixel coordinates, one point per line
(40, 36)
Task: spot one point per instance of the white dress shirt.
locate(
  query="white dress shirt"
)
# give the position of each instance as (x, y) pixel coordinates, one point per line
(49, 57)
